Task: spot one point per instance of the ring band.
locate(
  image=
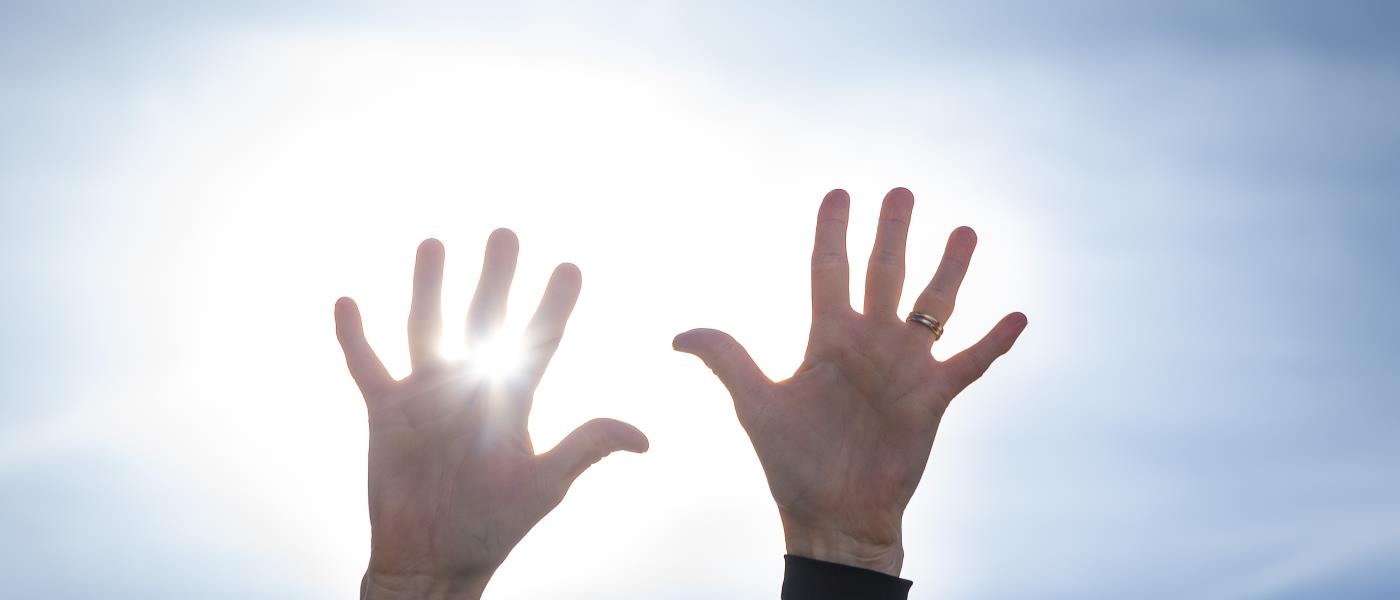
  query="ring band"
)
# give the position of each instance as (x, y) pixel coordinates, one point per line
(931, 323)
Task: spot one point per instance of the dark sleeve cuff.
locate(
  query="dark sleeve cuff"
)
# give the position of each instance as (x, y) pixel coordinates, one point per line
(809, 579)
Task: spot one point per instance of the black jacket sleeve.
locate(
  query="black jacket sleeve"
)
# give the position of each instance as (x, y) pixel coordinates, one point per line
(808, 579)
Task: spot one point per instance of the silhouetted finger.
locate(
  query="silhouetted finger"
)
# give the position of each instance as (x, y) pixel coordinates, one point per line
(967, 366)
(546, 328)
(369, 374)
(726, 357)
(831, 270)
(488, 307)
(425, 314)
(884, 279)
(586, 446)
(939, 297)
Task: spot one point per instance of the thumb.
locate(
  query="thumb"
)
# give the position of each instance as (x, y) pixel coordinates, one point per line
(589, 444)
(726, 357)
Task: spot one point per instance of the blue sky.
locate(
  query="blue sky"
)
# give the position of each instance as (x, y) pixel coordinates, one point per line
(1197, 205)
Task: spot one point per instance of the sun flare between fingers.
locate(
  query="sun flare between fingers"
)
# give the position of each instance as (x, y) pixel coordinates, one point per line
(496, 358)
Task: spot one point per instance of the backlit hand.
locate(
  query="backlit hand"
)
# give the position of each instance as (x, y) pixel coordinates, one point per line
(844, 441)
(454, 482)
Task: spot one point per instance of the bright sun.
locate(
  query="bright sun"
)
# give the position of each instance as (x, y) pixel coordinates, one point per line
(497, 357)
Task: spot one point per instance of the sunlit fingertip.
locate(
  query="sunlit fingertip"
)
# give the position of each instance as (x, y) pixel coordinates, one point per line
(687, 341)
(347, 313)
(430, 245)
(1009, 330)
(631, 439)
(503, 236)
(837, 195)
(964, 234)
(568, 272)
(1014, 324)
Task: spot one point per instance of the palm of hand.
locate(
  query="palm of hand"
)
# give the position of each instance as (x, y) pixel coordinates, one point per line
(454, 481)
(850, 432)
(845, 440)
(462, 491)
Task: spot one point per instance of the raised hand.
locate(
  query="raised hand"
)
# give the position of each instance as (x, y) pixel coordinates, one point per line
(844, 441)
(454, 482)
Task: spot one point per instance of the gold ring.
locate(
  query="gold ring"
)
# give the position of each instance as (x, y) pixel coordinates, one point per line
(931, 323)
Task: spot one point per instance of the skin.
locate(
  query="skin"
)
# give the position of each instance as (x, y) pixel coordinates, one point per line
(454, 481)
(844, 441)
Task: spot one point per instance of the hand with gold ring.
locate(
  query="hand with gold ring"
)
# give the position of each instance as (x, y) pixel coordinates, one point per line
(844, 441)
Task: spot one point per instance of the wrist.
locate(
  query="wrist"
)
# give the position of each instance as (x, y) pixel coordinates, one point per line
(421, 587)
(881, 551)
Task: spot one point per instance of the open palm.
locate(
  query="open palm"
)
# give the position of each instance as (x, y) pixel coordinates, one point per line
(844, 441)
(454, 481)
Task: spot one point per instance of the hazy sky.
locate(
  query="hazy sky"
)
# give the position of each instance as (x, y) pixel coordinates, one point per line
(1197, 205)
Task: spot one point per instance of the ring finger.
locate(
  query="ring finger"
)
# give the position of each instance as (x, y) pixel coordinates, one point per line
(940, 295)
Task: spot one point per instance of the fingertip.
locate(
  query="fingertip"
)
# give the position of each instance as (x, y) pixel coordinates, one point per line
(898, 205)
(836, 206)
(965, 234)
(624, 436)
(430, 245)
(503, 237)
(685, 341)
(1014, 324)
(569, 271)
(640, 443)
(1018, 319)
(678, 343)
(900, 193)
(347, 319)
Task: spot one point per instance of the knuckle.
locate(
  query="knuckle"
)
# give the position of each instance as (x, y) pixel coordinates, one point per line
(887, 258)
(952, 265)
(942, 287)
(828, 258)
(725, 350)
(936, 306)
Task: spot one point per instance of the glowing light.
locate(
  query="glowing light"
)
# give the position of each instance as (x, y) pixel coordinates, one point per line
(498, 357)
(298, 164)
